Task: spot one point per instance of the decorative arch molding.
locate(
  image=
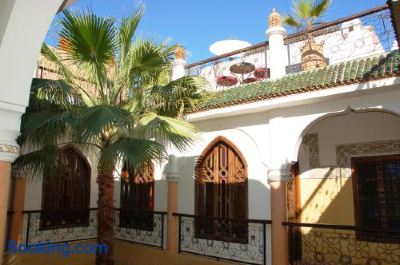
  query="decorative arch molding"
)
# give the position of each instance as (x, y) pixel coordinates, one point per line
(219, 140)
(294, 155)
(245, 142)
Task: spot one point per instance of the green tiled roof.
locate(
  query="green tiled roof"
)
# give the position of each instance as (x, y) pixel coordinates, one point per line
(356, 71)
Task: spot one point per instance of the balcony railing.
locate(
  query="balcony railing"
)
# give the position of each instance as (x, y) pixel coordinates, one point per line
(357, 36)
(314, 244)
(35, 232)
(228, 242)
(146, 228)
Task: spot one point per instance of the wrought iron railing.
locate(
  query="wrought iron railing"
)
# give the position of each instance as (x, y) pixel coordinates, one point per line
(232, 247)
(36, 231)
(218, 66)
(151, 235)
(146, 228)
(314, 244)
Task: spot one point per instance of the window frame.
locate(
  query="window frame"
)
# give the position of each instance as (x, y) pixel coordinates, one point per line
(86, 209)
(143, 220)
(218, 220)
(381, 236)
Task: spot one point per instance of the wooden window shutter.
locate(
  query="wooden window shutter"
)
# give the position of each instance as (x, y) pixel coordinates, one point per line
(221, 192)
(66, 192)
(137, 197)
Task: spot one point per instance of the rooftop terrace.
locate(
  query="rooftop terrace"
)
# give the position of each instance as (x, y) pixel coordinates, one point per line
(352, 46)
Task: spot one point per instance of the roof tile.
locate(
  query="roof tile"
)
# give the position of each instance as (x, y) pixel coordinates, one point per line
(359, 70)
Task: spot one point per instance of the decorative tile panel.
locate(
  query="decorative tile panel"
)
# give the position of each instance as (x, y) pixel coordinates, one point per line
(345, 151)
(311, 141)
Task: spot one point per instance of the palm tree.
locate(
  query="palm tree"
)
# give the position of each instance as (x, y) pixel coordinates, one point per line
(115, 99)
(306, 15)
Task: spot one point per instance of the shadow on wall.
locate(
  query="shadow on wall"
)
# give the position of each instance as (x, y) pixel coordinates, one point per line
(328, 199)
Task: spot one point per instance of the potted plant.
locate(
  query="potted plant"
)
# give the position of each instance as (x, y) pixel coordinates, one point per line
(226, 80)
(306, 15)
(261, 73)
(249, 80)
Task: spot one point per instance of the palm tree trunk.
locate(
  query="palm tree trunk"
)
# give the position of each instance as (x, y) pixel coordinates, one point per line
(105, 216)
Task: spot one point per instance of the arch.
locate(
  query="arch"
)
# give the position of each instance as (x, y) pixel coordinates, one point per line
(295, 152)
(66, 191)
(221, 190)
(213, 144)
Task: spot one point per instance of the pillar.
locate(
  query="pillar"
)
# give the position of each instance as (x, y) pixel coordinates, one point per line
(172, 221)
(280, 247)
(9, 151)
(178, 66)
(275, 35)
(17, 206)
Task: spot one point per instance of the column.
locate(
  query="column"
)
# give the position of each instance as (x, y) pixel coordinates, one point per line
(178, 66)
(17, 206)
(280, 247)
(275, 35)
(172, 221)
(9, 151)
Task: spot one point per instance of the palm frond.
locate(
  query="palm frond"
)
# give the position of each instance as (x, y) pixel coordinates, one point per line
(34, 163)
(292, 22)
(179, 133)
(90, 44)
(49, 94)
(145, 63)
(178, 95)
(147, 56)
(303, 8)
(127, 30)
(100, 120)
(43, 128)
(54, 58)
(132, 151)
(319, 7)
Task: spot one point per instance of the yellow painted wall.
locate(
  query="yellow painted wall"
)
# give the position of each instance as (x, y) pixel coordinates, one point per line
(327, 200)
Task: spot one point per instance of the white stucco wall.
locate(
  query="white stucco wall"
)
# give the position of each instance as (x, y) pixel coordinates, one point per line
(5, 12)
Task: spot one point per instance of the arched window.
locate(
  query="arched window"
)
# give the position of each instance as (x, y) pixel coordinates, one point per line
(137, 197)
(66, 192)
(221, 192)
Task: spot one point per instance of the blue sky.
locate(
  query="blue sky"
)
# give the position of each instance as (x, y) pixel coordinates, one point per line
(198, 24)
